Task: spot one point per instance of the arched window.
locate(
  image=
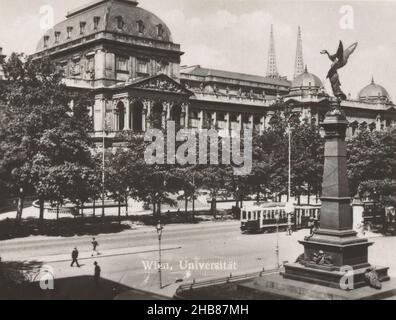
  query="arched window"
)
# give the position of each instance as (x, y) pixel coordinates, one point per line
(160, 31)
(137, 116)
(140, 26)
(156, 117)
(175, 115)
(120, 22)
(120, 112)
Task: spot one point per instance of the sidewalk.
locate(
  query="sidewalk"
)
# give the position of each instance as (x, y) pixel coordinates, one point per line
(109, 253)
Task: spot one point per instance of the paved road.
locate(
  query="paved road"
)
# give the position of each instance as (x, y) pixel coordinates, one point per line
(207, 250)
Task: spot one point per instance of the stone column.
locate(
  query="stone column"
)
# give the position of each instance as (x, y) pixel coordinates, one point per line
(127, 125)
(251, 121)
(214, 120)
(262, 124)
(240, 124)
(146, 114)
(228, 124)
(187, 116)
(115, 115)
(201, 120)
(99, 113)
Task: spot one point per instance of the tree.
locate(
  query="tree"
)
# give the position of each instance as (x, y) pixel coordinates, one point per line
(41, 128)
(152, 184)
(371, 163)
(120, 177)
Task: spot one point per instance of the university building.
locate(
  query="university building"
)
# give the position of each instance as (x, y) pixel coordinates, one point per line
(126, 57)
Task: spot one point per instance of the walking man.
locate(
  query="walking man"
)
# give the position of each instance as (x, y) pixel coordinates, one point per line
(96, 272)
(95, 244)
(74, 256)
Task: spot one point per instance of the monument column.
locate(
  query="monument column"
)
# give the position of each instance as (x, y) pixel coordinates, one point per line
(334, 247)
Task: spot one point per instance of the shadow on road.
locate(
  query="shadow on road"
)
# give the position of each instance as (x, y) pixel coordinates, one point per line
(74, 288)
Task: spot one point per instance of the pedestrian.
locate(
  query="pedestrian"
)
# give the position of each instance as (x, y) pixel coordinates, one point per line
(74, 256)
(95, 245)
(96, 272)
(311, 225)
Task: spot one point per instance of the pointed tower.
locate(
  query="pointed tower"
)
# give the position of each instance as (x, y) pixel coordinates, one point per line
(299, 64)
(272, 70)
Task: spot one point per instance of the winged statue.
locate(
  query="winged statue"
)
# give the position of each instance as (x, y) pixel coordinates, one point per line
(340, 59)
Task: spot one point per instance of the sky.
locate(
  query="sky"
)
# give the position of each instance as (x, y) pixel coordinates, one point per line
(234, 34)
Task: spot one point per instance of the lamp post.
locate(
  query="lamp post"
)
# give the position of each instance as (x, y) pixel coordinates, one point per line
(277, 240)
(289, 177)
(104, 134)
(193, 197)
(159, 228)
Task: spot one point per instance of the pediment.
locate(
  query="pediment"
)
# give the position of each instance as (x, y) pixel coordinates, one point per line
(161, 83)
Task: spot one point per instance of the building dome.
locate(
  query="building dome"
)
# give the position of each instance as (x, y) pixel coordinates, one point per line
(374, 93)
(122, 17)
(306, 80)
(307, 85)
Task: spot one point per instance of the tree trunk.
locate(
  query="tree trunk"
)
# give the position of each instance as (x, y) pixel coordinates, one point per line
(258, 197)
(154, 209)
(41, 215)
(186, 205)
(309, 195)
(126, 206)
(193, 204)
(159, 210)
(57, 213)
(94, 208)
(20, 208)
(214, 208)
(119, 212)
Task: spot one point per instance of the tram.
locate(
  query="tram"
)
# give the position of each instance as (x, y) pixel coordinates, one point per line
(260, 218)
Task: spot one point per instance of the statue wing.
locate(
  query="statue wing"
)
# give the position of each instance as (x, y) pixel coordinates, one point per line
(340, 51)
(349, 51)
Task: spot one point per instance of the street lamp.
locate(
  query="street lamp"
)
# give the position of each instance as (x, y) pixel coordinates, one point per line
(277, 240)
(104, 134)
(289, 151)
(159, 228)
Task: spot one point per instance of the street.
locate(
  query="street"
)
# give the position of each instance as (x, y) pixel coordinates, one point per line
(190, 252)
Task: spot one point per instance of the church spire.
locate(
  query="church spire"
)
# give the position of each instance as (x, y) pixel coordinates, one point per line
(272, 70)
(299, 64)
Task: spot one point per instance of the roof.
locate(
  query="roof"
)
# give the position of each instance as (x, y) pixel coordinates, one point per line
(307, 79)
(206, 72)
(108, 12)
(373, 92)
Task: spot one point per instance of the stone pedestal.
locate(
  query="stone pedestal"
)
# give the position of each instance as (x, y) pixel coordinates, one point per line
(334, 248)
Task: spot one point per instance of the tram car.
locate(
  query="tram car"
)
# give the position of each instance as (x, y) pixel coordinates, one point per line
(260, 218)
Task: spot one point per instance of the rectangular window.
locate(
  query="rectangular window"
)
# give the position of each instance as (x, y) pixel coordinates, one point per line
(57, 36)
(75, 68)
(142, 66)
(82, 27)
(46, 40)
(69, 32)
(96, 23)
(122, 64)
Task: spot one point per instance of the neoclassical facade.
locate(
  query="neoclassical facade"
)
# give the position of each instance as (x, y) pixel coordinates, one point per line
(126, 57)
